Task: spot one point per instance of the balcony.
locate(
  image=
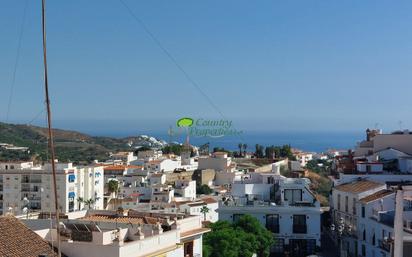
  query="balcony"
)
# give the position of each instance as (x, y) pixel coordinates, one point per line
(385, 244)
(299, 229)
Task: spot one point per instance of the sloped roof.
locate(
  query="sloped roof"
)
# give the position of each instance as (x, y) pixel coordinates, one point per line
(358, 186)
(17, 240)
(209, 200)
(376, 196)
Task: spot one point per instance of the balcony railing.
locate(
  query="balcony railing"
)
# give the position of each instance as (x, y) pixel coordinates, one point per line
(385, 245)
(299, 229)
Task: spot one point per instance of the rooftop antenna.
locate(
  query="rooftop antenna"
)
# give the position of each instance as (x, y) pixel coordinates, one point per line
(170, 132)
(49, 127)
(400, 124)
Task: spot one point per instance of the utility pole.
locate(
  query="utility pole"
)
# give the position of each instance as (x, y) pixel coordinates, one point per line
(49, 125)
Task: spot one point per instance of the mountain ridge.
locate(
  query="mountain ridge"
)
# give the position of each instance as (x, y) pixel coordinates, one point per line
(70, 145)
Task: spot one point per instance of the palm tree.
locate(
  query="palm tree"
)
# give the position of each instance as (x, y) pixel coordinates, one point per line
(244, 149)
(89, 202)
(80, 200)
(113, 187)
(240, 145)
(204, 210)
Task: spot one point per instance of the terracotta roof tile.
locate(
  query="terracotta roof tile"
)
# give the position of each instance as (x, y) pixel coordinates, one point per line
(209, 200)
(358, 186)
(17, 240)
(376, 196)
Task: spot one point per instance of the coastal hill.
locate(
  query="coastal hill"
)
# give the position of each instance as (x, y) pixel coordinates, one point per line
(70, 145)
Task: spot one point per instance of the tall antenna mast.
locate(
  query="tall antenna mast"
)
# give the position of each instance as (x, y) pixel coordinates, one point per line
(49, 124)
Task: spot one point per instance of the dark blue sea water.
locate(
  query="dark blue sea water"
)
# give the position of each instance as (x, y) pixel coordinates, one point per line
(308, 141)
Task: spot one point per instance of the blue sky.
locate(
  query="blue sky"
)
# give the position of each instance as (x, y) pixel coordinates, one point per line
(267, 65)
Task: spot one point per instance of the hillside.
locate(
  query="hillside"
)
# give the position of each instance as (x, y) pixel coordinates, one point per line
(70, 145)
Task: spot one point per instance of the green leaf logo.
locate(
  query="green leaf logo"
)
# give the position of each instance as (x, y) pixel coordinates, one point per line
(185, 122)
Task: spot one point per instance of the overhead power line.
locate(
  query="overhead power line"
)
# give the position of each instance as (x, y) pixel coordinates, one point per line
(173, 59)
(16, 61)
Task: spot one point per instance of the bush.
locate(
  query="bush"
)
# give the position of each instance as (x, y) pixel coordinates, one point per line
(240, 239)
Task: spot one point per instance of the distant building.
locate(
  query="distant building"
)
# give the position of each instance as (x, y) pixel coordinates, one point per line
(125, 157)
(25, 185)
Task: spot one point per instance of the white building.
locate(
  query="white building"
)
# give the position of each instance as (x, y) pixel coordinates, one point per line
(368, 212)
(285, 206)
(123, 157)
(303, 158)
(149, 155)
(195, 208)
(22, 181)
(164, 165)
(132, 233)
(185, 189)
(219, 161)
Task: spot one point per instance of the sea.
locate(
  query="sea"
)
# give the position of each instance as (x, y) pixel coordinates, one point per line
(313, 141)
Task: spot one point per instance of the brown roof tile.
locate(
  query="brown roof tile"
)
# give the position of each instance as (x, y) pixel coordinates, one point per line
(358, 186)
(209, 200)
(376, 196)
(17, 240)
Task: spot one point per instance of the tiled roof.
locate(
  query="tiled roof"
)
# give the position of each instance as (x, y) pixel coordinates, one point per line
(113, 219)
(376, 196)
(358, 186)
(194, 232)
(17, 240)
(196, 204)
(122, 167)
(209, 200)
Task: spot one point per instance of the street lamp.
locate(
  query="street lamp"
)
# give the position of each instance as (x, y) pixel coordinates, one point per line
(338, 229)
(26, 207)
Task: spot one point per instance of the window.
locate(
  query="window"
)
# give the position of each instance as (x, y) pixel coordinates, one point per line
(346, 203)
(72, 178)
(272, 223)
(339, 202)
(354, 206)
(363, 211)
(299, 224)
(292, 195)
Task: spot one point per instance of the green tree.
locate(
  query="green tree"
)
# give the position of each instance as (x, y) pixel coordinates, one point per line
(259, 151)
(80, 200)
(240, 239)
(240, 145)
(244, 149)
(264, 238)
(204, 190)
(89, 203)
(113, 187)
(172, 148)
(204, 210)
